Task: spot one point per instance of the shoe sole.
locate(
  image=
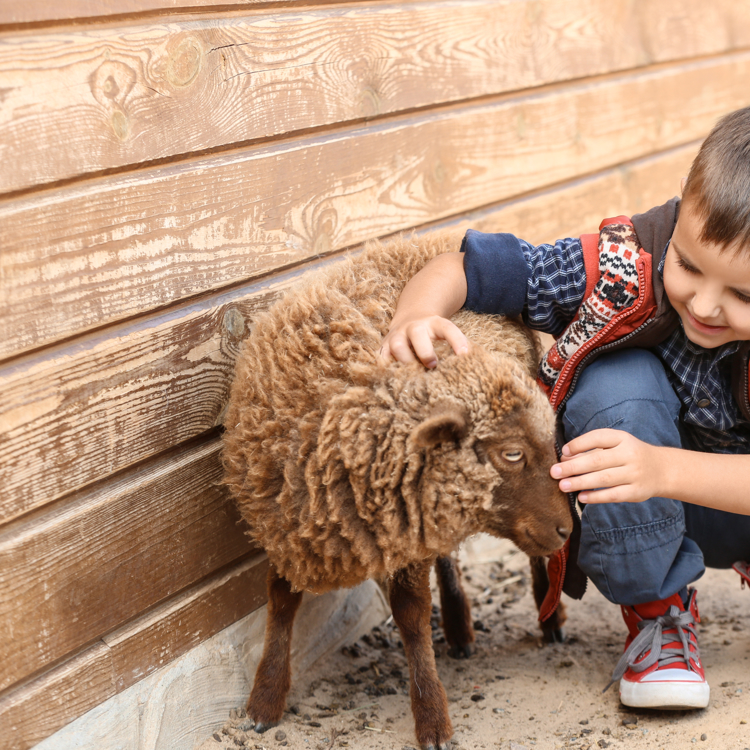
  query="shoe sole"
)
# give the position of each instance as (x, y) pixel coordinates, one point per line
(670, 695)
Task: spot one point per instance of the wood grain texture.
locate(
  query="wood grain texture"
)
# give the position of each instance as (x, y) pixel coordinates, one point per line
(154, 639)
(80, 412)
(579, 207)
(36, 11)
(88, 256)
(111, 553)
(128, 95)
(32, 712)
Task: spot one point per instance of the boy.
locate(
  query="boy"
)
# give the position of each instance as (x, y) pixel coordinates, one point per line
(650, 377)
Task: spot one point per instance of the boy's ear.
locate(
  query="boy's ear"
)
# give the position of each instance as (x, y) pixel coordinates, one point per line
(446, 423)
(682, 185)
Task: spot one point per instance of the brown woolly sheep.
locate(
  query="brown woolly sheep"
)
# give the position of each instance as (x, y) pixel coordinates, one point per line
(346, 468)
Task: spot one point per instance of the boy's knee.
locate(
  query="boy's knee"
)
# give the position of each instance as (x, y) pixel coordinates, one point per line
(638, 552)
(627, 390)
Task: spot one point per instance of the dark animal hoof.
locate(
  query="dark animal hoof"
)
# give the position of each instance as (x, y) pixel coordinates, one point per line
(554, 636)
(441, 746)
(461, 652)
(263, 726)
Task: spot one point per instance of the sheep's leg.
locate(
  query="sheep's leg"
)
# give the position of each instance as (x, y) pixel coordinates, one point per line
(274, 675)
(411, 604)
(552, 628)
(456, 610)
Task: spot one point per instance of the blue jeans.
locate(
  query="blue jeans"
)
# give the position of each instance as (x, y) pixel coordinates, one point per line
(640, 552)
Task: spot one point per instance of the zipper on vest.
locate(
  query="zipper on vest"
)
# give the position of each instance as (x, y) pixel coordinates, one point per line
(599, 350)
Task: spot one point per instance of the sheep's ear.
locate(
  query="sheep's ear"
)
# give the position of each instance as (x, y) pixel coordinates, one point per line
(446, 423)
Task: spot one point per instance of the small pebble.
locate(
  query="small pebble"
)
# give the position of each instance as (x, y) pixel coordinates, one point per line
(584, 722)
(217, 737)
(603, 743)
(477, 697)
(704, 737)
(280, 736)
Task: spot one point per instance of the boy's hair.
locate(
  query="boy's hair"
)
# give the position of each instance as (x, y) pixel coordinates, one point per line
(718, 185)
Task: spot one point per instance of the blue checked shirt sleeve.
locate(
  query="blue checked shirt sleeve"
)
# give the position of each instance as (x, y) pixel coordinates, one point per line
(509, 276)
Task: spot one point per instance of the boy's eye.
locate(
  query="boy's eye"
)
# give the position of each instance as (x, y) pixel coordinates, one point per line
(682, 264)
(742, 297)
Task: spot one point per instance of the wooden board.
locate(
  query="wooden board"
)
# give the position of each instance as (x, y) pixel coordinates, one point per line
(186, 621)
(40, 11)
(131, 94)
(81, 412)
(120, 246)
(32, 712)
(76, 414)
(579, 207)
(106, 555)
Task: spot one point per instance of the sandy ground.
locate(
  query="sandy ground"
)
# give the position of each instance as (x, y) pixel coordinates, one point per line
(516, 692)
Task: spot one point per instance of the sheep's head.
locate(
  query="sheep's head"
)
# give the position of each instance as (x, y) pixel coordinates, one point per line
(488, 421)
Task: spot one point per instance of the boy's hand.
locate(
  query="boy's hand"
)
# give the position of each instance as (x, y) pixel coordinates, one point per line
(625, 468)
(417, 336)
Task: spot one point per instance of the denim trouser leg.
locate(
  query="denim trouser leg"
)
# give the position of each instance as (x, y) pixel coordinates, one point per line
(633, 552)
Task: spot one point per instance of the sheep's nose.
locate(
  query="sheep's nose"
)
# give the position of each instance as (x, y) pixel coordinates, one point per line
(564, 532)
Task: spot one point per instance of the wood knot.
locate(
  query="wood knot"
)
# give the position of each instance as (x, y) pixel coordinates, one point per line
(234, 322)
(184, 62)
(120, 124)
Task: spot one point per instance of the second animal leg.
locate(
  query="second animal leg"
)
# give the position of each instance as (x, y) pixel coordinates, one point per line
(274, 676)
(455, 609)
(411, 605)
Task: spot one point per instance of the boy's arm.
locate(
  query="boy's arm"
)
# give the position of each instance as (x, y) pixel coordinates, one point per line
(427, 301)
(493, 273)
(630, 470)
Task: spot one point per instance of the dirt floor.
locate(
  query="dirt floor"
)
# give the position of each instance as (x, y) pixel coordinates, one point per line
(516, 692)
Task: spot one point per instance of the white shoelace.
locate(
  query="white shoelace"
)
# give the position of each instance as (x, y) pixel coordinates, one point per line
(652, 638)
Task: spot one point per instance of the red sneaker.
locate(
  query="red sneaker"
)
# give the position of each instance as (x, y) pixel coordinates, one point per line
(661, 666)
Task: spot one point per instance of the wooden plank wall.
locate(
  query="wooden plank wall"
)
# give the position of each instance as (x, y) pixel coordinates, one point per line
(167, 168)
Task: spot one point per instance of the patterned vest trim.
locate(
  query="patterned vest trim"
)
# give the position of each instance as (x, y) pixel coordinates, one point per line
(618, 299)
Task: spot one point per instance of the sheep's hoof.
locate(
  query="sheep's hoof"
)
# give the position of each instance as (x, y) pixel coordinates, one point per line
(263, 726)
(554, 636)
(464, 651)
(441, 746)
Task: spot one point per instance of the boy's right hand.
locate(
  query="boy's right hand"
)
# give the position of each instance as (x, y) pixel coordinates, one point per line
(413, 338)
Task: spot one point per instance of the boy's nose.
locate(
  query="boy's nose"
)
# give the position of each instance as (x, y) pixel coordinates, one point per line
(705, 307)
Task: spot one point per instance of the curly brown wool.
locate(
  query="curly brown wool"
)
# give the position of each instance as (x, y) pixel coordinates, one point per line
(346, 468)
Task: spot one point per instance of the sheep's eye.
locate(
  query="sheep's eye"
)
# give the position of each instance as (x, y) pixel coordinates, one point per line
(512, 456)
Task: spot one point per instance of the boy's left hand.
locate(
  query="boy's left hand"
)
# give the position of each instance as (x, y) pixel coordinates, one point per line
(624, 468)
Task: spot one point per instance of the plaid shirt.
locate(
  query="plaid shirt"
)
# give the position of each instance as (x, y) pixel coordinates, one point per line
(555, 286)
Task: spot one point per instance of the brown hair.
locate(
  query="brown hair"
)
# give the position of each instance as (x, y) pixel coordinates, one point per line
(718, 185)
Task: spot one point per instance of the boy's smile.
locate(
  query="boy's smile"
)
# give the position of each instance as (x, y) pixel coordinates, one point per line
(709, 289)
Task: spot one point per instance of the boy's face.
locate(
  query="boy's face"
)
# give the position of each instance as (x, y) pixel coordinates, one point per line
(709, 290)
